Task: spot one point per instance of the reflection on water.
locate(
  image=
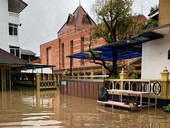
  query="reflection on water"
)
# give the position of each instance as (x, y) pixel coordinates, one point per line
(27, 108)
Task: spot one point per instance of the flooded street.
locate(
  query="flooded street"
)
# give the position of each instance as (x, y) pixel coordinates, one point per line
(27, 108)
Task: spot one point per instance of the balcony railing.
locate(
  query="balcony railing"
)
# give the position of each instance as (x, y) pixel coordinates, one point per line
(13, 14)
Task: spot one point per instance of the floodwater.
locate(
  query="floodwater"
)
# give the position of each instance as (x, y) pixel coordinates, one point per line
(27, 108)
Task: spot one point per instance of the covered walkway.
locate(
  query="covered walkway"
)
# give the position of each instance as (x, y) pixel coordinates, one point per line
(10, 65)
(126, 49)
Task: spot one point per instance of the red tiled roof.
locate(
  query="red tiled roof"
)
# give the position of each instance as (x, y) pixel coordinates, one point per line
(36, 61)
(77, 20)
(141, 18)
(6, 57)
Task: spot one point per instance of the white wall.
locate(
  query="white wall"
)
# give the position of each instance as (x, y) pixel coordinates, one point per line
(13, 18)
(4, 32)
(14, 41)
(7, 17)
(155, 57)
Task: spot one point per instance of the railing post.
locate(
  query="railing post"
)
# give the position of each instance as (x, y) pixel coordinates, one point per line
(48, 77)
(38, 81)
(84, 74)
(165, 88)
(78, 74)
(64, 75)
(92, 73)
(55, 82)
(123, 75)
(58, 78)
(38, 90)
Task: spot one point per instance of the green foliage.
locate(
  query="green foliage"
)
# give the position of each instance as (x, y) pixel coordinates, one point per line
(113, 77)
(115, 20)
(133, 76)
(150, 24)
(167, 108)
(95, 54)
(58, 85)
(154, 8)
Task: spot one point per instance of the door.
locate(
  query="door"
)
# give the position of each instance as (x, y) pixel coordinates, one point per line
(8, 79)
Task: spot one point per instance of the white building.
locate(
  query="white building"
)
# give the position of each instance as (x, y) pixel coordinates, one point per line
(9, 24)
(156, 54)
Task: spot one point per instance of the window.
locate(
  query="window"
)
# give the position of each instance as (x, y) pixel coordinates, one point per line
(82, 44)
(71, 47)
(15, 51)
(12, 51)
(13, 29)
(63, 55)
(168, 54)
(82, 49)
(48, 54)
(86, 18)
(69, 19)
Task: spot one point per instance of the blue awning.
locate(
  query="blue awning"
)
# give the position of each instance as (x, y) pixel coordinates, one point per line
(128, 48)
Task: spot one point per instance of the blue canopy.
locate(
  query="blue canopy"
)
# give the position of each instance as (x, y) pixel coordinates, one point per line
(128, 48)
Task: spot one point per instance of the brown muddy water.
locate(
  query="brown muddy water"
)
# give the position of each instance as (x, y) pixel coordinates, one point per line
(25, 108)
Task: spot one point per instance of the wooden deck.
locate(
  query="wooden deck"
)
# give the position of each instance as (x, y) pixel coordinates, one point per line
(123, 104)
(127, 91)
(114, 103)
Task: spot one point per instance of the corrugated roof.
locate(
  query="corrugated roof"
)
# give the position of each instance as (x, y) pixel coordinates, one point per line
(126, 49)
(27, 52)
(6, 57)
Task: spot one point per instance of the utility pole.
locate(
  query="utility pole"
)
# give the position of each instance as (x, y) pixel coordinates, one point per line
(79, 2)
(142, 10)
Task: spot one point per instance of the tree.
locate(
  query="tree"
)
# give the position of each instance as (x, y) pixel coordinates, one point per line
(115, 22)
(150, 24)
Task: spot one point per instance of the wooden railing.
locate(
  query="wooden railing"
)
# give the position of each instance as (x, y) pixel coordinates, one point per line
(45, 84)
(92, 77)
(141, 85)
(25, 82)
(159, 87)
(152, 86)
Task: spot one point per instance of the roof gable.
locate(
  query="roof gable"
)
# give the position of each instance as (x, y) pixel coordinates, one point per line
(6, 57)
(70, 18)
(79, 18)
(86, 18)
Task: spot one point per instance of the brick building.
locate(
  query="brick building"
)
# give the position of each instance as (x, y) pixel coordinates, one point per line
(71, 37)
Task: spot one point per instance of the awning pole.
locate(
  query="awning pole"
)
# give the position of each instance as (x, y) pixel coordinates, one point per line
(52, 74)
(32, 77)
(71, 64)
(41, 74)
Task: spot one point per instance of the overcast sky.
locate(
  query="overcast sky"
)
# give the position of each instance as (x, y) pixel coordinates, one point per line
(42, 19)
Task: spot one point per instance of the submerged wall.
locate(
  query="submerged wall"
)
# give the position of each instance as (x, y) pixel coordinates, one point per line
(81, 88)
